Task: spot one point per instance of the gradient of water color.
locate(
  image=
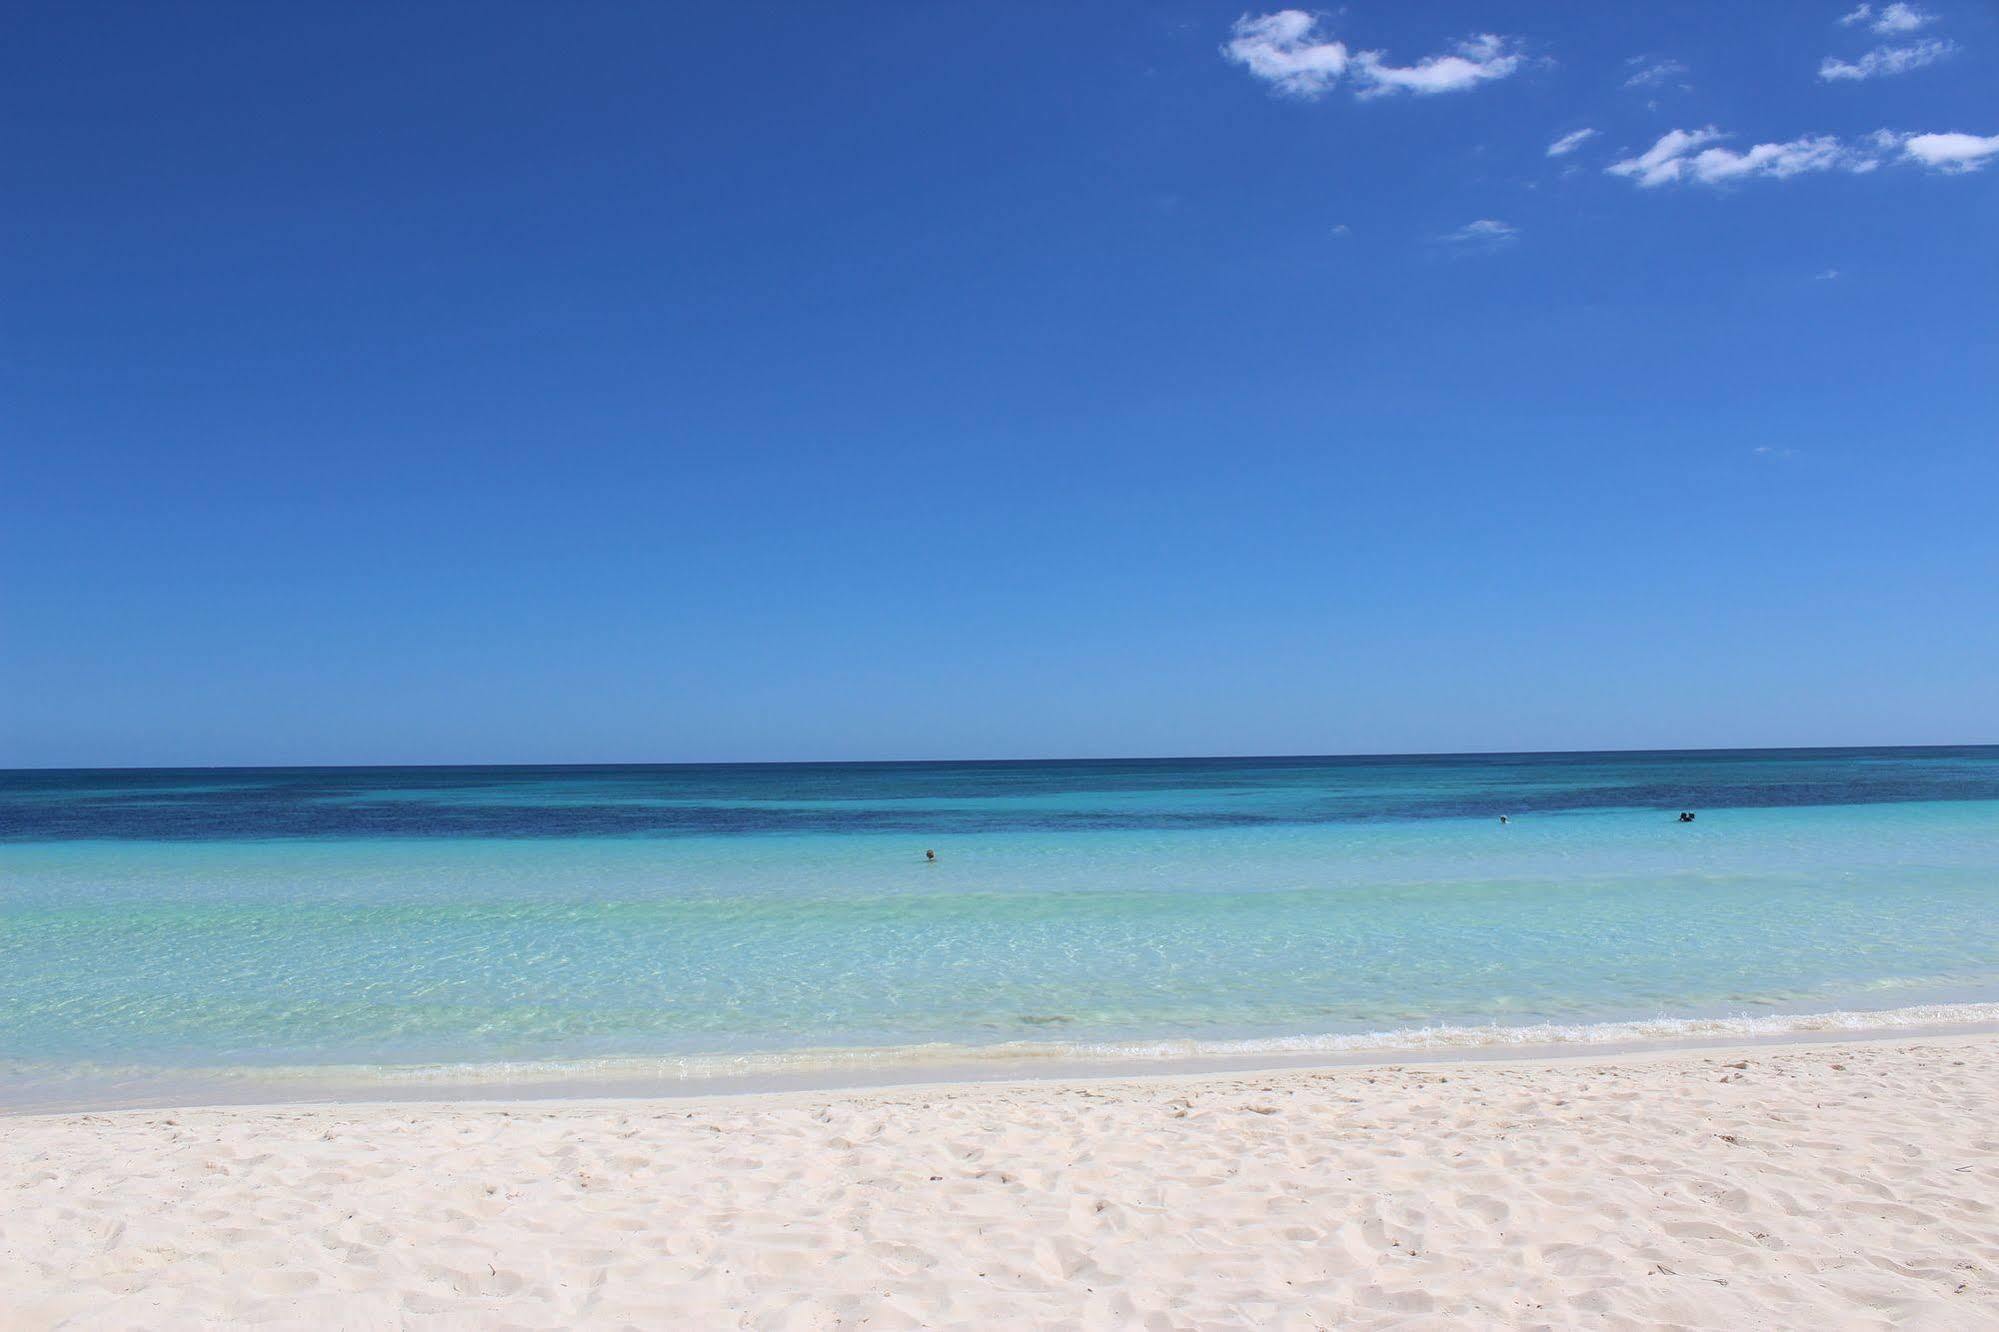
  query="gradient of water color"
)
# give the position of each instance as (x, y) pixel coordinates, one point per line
(505, 922)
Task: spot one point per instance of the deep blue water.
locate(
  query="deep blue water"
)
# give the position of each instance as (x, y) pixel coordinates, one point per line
(920, 798)
(700, 917)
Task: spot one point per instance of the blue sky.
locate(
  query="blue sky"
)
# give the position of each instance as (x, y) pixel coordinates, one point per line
(570, 383)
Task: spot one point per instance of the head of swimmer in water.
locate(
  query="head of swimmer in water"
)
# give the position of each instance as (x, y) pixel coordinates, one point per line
(930, 855)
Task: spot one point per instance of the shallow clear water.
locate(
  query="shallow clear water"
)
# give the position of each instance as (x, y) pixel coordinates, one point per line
(718, 917)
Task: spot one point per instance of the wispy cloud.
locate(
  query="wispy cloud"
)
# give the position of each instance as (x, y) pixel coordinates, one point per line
(1486, 233)
(1653, 71)
(1692, 156)
(1689, 155)
(1901, 18)
(1568, 143)
(1896, 20)
(1666, 160)
(1884, 60)
(1828, 275)
(1889, 19)
(1478, 60)
(1287, 51)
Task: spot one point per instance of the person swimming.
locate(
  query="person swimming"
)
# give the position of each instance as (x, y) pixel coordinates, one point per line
(1504, 819)
(930, 855)
(1686, 817)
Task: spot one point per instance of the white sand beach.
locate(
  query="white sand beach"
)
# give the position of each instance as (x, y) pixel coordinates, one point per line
(1836, 1185)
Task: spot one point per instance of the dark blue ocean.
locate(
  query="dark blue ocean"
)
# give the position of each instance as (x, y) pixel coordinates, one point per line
(405, 923)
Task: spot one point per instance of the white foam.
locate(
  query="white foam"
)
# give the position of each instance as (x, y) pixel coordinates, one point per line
(27, 1085)
(1027, 1054)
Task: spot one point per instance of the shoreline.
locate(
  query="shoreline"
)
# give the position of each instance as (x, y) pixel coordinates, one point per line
(557, 1095)
(1830, 1182)
(1067, 1083)
(865, 1068)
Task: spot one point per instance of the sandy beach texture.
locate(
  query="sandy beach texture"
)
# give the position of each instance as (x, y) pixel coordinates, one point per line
(1847, 1185)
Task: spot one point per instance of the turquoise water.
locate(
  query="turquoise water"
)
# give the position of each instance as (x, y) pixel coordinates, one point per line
(507, 922)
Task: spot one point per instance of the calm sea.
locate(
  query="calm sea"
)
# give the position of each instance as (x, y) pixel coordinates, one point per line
(387, 927)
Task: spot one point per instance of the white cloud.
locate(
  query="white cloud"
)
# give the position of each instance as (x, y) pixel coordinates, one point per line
(1827, 276)
(1883, 60)
(1487, 231)
(1890, 19)
(1955, 153)
(1286, 50)
(1568, 143)
(1901, 18)
(1653, 71)
(1478, 60)
(1815, 152)
(1342, 229)
(1279, 49)
(1690, 156)
(1664, 161)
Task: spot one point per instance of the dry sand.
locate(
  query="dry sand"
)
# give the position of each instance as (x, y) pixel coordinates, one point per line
(1847, 1185)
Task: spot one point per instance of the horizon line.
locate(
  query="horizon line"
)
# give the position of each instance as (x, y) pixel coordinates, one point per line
(961, 762)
